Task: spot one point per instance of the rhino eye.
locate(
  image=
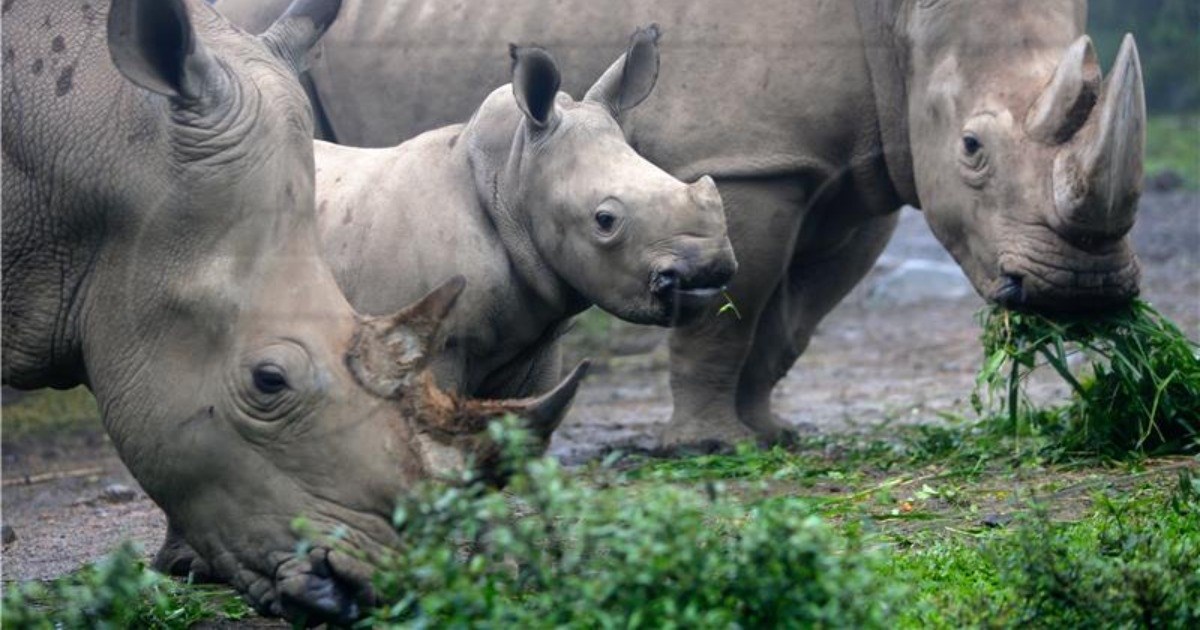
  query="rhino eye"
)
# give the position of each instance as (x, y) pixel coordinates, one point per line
(971, 145)
(605, 220)
(269, 378)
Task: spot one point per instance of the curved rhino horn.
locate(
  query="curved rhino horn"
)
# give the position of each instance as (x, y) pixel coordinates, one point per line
(1064, 105)
(388, 351)
(542, 414)
(1098, 176)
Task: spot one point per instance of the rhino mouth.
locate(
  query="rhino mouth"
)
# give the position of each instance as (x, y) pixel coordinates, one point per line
(322, 586)
(1075, 284)
(684, 304)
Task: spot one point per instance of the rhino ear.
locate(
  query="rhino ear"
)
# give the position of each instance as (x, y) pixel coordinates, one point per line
(299, 29)
(153, 44)
(535, 82)
(630, 80)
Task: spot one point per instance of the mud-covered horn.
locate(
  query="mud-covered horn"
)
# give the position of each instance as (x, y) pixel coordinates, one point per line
(388, 352)
(1064, 105)
(544, 413)
(1098, 175)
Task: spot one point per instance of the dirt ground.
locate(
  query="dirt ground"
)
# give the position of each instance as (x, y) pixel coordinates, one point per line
(870, 363)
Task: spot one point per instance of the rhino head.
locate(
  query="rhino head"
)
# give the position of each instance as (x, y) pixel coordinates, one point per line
(619, 231)
(1027, 162)
(238, 385)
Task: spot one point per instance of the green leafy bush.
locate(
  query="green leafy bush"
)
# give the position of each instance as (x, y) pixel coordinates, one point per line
(1134, 562)
(556, 552)
(1141, 393)
(117, 592)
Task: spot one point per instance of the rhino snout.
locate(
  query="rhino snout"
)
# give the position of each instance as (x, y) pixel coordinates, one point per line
(325, 586)
(682, 277)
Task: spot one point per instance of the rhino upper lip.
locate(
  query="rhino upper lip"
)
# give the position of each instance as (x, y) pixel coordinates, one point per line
(700, 292)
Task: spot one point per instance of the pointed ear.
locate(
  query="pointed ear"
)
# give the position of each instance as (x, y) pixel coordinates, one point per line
(153, 44)
(630, 80)
(389, 351)
(535, 82)
(299, 29)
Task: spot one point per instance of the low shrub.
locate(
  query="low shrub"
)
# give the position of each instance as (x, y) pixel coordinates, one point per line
(556, 552)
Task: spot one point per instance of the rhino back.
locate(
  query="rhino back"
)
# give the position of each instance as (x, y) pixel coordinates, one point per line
(735, 96)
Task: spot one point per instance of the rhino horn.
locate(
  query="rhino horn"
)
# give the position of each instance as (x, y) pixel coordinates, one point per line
(542, 414)
(388, 352)
(1098, 175)
(1064, 105)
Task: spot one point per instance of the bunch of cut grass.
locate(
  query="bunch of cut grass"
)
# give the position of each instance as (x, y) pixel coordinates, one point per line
(1139, 392)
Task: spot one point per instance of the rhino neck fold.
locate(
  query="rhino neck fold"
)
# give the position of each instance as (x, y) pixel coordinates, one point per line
(879, 21)
(495, 169)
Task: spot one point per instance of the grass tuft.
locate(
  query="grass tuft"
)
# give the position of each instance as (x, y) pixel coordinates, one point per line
(1139, 394)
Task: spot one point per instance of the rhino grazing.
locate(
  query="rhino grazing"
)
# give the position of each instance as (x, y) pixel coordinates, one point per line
(160, 247)
(545, 208)
(818, 121)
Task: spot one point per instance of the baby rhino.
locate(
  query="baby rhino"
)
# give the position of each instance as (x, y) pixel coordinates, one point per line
(544, 207)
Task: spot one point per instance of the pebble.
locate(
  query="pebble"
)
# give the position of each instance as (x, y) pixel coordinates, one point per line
(10, 535)
(118, 493)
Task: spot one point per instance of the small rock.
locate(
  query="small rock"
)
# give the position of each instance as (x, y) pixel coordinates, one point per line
(995, 521)
(9, 534)
(918, 281)
(118, 493)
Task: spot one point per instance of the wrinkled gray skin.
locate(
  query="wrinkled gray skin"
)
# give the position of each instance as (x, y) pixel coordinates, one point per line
(160, 247)
(545, 209)
(817, 120)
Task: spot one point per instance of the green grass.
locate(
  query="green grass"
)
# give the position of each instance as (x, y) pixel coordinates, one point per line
(1139, 393)
(47, 412)
(117, 592)
(916, 528)
(1173, 143)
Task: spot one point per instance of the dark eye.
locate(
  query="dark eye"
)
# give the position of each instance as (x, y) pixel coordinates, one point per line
(605, 220)
(971, 144)
(269, 378)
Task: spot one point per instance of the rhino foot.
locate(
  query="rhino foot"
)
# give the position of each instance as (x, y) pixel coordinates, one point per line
(698, 435)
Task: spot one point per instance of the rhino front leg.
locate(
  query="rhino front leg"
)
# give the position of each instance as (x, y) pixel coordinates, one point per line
(707, 356)
(815, 283)
(176, 557)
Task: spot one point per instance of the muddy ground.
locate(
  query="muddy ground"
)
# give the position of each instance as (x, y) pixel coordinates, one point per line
(872, 362)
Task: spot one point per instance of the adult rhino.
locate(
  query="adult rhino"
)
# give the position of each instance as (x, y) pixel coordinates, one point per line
(818, 120)
(160, 247)
(542, 205)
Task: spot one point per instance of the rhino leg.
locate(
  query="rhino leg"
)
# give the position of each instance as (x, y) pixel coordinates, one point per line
(176, 557)
(816, 282)
(707, 356)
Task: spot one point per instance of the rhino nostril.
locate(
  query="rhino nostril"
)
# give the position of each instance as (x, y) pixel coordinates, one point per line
(1011, 292)
(664, 281)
